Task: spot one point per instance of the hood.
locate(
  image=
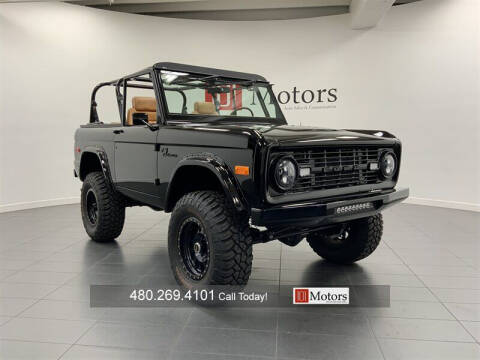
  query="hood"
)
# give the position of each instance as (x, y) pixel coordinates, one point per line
(302, 135)
(291, 135)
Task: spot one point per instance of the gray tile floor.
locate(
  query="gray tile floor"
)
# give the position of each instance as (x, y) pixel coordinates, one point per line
(429, 256)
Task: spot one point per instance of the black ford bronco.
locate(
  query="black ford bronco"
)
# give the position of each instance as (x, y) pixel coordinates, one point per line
(213, 148)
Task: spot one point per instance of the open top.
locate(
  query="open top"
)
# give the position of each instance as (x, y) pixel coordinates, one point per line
(186, 93)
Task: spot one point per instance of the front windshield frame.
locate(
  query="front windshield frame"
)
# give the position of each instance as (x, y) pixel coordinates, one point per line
(202, 118)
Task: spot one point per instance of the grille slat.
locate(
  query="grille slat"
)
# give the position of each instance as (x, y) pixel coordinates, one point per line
(335, 167)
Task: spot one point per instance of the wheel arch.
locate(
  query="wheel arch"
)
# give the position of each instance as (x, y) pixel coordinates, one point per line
(210, 173)
(94, 159)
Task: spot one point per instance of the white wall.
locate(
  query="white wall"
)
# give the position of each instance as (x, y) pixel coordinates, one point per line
(415, 75)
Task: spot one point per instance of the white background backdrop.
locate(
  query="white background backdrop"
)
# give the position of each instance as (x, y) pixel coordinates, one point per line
(415, 75)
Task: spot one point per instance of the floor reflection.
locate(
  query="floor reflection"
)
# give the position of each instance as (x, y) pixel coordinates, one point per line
(47, 267)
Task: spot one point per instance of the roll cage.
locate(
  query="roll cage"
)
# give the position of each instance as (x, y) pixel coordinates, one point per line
(149, 78)
(138, 80)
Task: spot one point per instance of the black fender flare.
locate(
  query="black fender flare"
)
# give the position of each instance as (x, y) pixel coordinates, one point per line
(218, 167)
(102, 158)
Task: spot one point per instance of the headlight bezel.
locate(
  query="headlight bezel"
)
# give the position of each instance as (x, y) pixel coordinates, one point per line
(275, 177)
(382, 166)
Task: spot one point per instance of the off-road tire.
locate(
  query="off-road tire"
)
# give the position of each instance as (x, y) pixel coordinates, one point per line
(228, 236)
(111, 208)
(364, 236)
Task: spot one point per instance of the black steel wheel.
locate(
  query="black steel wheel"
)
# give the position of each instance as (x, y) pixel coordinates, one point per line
(92, 206)
(354, 241)
(208, 243)
(103, 209)
(193, 248)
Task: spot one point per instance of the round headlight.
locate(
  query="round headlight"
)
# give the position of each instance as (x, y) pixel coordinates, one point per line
(388, 165)
(285, 173)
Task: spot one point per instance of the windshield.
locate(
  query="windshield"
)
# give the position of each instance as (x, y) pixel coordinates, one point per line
(200, 97)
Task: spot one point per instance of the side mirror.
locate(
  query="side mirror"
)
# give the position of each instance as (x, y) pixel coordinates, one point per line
(139, 118)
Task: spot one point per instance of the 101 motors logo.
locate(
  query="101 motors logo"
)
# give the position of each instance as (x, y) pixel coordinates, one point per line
(298, 96)
(321, 296)
(295, 99)
(300, 99)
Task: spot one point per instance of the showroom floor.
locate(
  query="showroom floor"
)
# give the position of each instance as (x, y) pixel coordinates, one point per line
(429, 256)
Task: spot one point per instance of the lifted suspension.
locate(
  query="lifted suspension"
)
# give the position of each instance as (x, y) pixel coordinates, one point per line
(292, 236)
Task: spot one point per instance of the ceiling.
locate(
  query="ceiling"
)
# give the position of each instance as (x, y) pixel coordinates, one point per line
(363, 13)
(236, 9)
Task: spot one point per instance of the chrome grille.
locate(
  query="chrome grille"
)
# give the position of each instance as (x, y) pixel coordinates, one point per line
(336, 167)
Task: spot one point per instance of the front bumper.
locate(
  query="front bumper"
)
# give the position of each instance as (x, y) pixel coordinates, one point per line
(320, 213)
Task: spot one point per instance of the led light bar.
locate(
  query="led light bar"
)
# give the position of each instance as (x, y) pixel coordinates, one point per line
(347, 209)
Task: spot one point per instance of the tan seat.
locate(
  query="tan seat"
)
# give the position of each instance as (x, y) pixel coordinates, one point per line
(205, 108)
(145, 105)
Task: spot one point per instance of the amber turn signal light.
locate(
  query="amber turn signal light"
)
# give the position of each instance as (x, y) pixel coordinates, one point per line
(242, 170)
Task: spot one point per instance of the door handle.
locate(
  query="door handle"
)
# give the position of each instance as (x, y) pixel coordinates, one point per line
(118, 131)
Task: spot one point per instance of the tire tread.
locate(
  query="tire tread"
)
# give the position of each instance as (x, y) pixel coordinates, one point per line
(111, 208)
(231, 236)
(366, 236)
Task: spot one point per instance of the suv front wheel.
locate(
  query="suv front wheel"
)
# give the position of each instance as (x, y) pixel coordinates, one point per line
(208, 244)
(357, 240)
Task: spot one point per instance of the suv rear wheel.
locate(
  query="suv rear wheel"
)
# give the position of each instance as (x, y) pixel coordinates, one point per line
(103, 209)
(357, 240)
(208, 244)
